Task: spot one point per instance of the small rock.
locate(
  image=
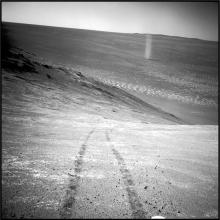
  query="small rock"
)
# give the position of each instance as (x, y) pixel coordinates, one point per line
(48, 76)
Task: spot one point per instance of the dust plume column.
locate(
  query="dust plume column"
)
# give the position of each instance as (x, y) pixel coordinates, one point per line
(148, 46)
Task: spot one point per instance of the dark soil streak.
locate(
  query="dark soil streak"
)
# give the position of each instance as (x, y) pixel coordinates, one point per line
(136, 206)
(71, 192)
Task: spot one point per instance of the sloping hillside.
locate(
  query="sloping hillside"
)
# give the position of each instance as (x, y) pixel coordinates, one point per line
(26, 79)
(180, 78)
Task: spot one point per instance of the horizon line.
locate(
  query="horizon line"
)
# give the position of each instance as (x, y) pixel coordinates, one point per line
(112, 31)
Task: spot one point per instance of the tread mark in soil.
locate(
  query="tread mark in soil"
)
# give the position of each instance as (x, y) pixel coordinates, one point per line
(71, 192)
(136, 206)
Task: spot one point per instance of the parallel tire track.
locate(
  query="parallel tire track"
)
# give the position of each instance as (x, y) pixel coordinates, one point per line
(135, 204)
(71, 192)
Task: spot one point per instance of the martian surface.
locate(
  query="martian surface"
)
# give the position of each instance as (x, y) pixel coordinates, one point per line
(97, 125)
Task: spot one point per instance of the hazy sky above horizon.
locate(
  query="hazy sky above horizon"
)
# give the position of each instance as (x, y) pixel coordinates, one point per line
(186, 19)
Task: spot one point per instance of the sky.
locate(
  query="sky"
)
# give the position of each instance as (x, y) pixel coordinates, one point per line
(185, 19)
